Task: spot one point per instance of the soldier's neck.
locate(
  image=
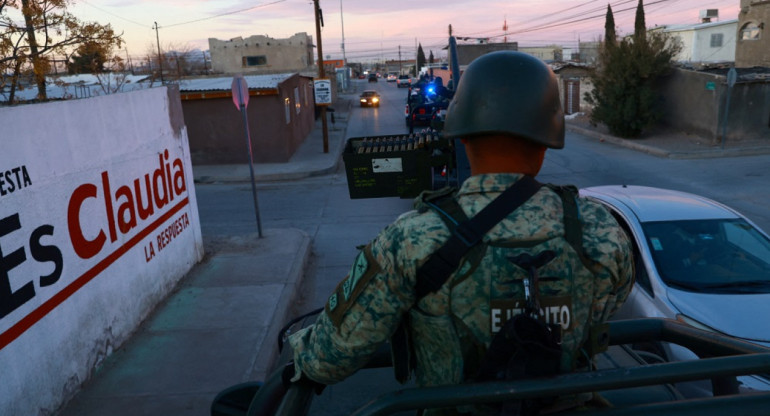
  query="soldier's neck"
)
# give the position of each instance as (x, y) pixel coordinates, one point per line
(504, 155)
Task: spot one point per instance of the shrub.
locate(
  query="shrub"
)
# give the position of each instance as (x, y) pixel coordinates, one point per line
(624, 95)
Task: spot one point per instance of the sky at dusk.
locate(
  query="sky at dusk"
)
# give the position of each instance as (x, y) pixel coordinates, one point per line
(374, 30)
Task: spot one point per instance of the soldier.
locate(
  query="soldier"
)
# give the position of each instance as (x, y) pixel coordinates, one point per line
(506, 112)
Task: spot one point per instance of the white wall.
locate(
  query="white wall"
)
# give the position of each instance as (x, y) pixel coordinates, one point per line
(686, 39)
(696, 43)
(707, 53)
(77, 273)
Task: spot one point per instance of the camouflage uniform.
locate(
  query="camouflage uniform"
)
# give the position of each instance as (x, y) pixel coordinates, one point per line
(452, 328)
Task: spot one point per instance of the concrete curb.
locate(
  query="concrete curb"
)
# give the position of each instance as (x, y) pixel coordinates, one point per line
(268, 353)
(618, 141)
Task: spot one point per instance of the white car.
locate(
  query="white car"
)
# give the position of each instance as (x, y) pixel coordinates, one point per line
(697, 261)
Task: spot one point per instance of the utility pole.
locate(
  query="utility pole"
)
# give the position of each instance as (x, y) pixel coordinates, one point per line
(344, 58)
(321, 74)
(399, 59)
(130, 65)
(160, 59)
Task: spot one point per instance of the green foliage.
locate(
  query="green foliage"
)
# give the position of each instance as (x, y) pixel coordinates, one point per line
(609, 27)
(624, 97)
(420, 57)
(640, 27)
(89, 58)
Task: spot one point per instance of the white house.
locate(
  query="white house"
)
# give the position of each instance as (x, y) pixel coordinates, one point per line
(705, 42)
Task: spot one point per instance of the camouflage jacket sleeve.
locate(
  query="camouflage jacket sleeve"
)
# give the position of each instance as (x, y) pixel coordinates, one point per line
(608, 246)
(366, 307)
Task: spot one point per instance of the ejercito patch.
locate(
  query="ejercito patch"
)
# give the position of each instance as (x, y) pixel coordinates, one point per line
(553, 310)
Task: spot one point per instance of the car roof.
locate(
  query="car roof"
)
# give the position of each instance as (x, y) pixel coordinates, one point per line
(369, 92)
(657, 204)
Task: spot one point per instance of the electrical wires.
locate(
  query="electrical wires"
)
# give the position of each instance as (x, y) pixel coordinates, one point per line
(223, 14)
(115, 15)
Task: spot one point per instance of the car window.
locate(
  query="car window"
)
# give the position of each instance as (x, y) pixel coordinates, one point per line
(741, 234)
(714, 256)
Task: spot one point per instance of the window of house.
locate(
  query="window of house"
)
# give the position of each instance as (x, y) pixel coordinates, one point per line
(750, 31)
(716, 40)
(254, 60)
(297, 102)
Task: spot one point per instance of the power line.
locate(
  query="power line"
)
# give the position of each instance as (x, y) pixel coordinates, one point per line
(575, 19)
(539, 18)
(115, 15)
(223, 14)
(559, 20)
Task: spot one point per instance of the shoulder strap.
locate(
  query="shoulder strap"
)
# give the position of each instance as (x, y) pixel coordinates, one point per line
(573, 229)
(449, 210)
(595, 336)
(441, 264)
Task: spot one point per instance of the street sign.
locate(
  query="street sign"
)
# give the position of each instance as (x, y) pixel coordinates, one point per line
(240, 92)
(732, 77)
(241, 100)
(323, 91)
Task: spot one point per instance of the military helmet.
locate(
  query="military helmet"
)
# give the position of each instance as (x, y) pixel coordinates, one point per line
(508, 93)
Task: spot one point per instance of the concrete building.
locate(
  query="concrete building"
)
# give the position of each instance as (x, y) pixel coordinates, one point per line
(588, 52)
(262, 54)
(574, 84)
(753, 46)
(466, 53)
(705, 42)
(401, 67)
(546, 53)
(281, 113)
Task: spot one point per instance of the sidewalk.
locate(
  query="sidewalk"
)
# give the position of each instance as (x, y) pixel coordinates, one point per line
(670, 144)
(219, 327)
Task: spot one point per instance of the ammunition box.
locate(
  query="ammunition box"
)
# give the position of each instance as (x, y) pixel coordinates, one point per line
(388, 173)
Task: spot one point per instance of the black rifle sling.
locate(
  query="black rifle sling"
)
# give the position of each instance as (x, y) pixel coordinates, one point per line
(442, 263)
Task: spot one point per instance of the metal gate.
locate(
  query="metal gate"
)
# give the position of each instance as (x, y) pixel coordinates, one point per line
(571, 96)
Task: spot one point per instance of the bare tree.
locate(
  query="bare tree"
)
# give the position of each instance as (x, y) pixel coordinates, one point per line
(177, 61)
(47, 29)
